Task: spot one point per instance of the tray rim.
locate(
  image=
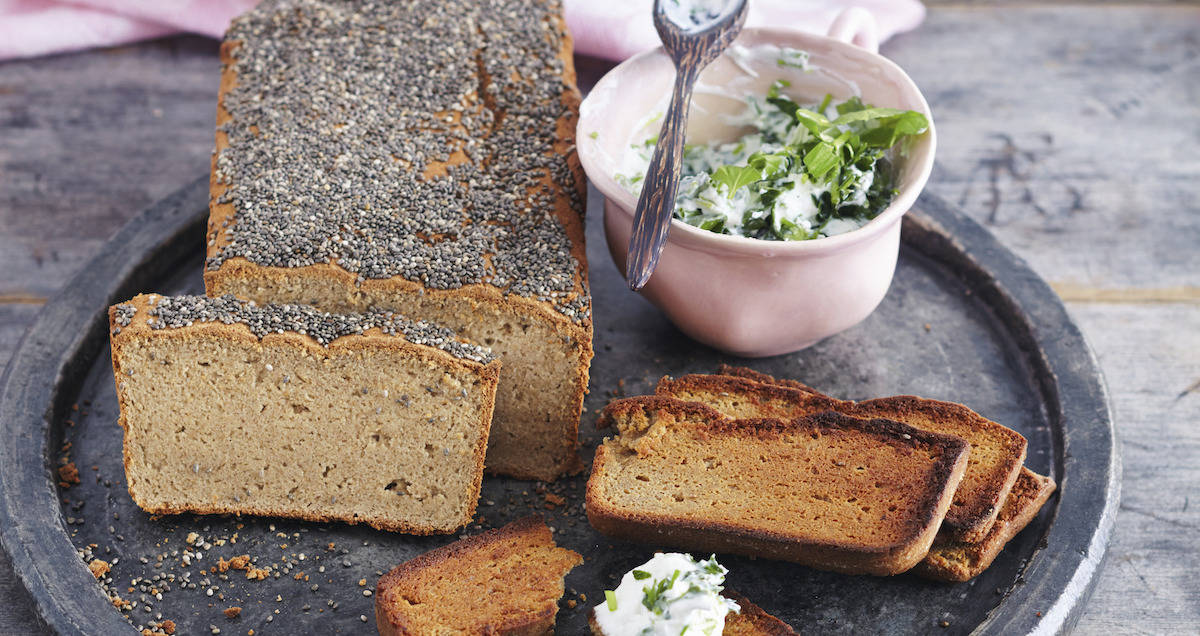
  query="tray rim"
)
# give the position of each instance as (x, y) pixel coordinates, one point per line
(47, 362)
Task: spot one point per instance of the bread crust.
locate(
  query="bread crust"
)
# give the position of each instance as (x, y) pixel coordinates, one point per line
(759, 376)
(138, 329)
(978, 500)
(239, 273)
(957, 561)
(393, 623)
(721, 536)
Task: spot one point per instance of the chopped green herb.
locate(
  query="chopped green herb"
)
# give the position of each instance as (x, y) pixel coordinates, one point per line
(610, 597)
(800, 175)
(594, 135)
(641, 574)
(653, 599)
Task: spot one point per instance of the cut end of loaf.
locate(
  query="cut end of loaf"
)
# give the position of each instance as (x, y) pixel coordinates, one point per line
(826, 490)
(370, 428)
(504, 581)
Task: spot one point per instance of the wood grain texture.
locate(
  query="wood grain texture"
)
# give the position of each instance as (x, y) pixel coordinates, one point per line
(1068, 130)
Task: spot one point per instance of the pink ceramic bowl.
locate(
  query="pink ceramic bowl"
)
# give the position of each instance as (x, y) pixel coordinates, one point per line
(745, 296)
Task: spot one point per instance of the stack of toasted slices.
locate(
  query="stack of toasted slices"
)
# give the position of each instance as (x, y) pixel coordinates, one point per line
(741, 462)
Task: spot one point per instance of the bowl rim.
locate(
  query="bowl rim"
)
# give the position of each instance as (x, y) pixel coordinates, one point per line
(710, 241)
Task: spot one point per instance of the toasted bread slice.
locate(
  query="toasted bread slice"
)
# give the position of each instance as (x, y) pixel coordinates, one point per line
(826, 490)
(750, 620)
(504, 581)
(997, 452)
(950, 560)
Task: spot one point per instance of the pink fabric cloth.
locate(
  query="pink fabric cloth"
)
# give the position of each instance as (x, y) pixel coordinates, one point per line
(612, 29)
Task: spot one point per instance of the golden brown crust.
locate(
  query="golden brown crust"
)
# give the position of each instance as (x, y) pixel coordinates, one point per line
(138, 329)
(986, 483)
(957, 561)
(239, 272)
(390, 620)
(849, 556)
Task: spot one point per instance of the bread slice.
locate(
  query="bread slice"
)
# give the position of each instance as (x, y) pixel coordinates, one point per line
(231, 407)
(997, 452)
(417, 157)
(828, 491)
(504, 581)
(956, 561)
(750, 620)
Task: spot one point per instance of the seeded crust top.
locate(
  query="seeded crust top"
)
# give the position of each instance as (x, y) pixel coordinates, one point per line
(432, 141)
(174, 312)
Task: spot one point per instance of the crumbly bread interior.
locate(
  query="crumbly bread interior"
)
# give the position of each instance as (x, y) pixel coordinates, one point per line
(825, 490)
(996, 451)
(534, 432)
(504, 581)
(215, 424)
(950, 560)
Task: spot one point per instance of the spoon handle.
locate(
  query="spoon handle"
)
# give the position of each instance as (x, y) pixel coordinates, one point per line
(656, 204)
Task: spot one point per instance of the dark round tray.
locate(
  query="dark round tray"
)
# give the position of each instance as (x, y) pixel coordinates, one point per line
(965, 320)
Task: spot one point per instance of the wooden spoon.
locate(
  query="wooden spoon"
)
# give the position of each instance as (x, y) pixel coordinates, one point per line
(693, 40)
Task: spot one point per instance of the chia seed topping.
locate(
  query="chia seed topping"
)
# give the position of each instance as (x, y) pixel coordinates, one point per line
(123, 314)
(173, 312)
(345, 115)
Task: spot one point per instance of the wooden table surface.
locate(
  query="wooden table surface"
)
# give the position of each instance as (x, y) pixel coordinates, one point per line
(1069, 130)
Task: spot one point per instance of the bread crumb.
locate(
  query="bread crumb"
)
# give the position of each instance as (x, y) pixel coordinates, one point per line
(99, 568)
(232, 612)
(240, 562)
(256, 574)
(553, 501)
(167, 626)
(68, 475)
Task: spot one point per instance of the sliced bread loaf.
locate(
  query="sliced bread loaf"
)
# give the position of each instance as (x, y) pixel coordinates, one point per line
(232, 407)
(416, 157)
(997, 452)
(826, 490)
(951, 560)
(504, 581)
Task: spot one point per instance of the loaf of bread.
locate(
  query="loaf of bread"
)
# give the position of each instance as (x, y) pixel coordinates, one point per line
(416, 157)
(828, 491)
(504, 581)
(956, 561)
(997, 452)
(281, 410)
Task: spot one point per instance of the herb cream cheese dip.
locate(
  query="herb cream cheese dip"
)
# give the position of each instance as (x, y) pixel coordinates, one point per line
(803, 172)
(669, 595)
